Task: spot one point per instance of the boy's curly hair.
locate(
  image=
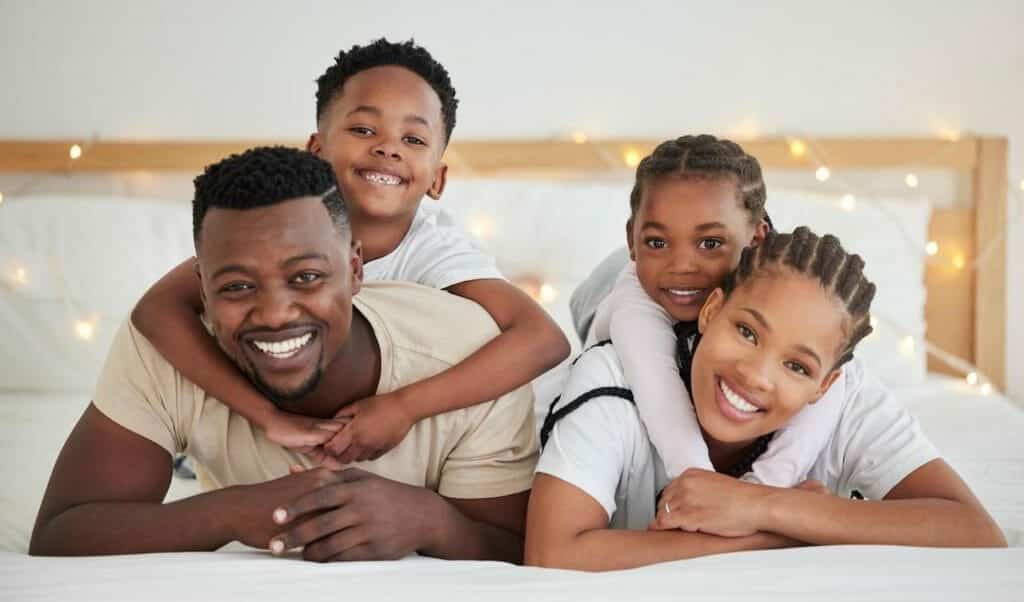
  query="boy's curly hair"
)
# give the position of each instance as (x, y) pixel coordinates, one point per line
(380, 53)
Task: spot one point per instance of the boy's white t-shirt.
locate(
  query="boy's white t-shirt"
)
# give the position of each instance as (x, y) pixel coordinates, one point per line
(435, 252)
(603, 449)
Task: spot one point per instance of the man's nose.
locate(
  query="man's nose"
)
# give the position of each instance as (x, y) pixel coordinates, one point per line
(276, 308)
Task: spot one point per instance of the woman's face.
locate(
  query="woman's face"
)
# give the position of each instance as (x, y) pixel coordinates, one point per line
(766, 352)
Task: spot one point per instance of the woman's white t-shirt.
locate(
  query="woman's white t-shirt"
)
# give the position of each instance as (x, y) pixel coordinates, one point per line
(603, 449)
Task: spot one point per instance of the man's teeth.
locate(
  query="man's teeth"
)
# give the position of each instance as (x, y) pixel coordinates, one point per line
(283, 349)
(381, 178)
(684, 292)
(735, 400)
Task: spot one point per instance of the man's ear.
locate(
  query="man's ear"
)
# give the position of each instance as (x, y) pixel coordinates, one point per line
(712, 306)
(313, 144)
(440, 179)
(356, 264)
(199, 276)
(629, 239)
(825, 384)
(760, 232)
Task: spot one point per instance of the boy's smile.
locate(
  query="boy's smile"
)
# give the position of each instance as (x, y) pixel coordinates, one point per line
(384, 137)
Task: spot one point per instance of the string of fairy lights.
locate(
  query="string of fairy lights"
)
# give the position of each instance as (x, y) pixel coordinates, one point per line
(800, 147)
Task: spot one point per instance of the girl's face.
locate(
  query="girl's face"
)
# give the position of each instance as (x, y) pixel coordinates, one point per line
(687, 234)
(766, 352)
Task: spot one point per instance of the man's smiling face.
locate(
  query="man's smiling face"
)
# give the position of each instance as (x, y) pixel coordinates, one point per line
(277, 285)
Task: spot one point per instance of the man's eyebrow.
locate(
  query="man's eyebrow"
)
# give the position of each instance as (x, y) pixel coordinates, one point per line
(234, 267)
(758, 316)
(304, 257)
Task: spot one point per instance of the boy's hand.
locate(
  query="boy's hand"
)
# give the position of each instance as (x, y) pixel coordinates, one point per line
(376, 424)
(299, 432)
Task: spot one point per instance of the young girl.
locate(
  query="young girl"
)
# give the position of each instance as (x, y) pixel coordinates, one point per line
(717, 180)
(385, 112)
(772, 339)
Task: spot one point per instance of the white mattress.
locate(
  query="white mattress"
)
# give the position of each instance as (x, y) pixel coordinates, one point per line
(982, 437)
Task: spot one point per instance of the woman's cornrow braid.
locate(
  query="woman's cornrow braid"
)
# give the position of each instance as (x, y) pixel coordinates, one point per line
(821, 257)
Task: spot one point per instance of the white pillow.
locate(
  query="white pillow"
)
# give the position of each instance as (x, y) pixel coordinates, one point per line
(71, 269)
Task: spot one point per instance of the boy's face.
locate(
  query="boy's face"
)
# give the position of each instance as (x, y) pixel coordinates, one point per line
(278, 290)
(384, 136)
(766, 352)
(686, 236)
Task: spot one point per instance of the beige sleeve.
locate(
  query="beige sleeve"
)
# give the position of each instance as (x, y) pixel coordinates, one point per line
(498, 455)
(142, 392)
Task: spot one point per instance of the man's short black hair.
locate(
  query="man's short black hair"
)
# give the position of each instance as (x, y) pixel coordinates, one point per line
(380, 53)
(264, 176)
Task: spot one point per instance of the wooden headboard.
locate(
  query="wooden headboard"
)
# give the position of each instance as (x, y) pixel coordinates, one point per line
(965, 311)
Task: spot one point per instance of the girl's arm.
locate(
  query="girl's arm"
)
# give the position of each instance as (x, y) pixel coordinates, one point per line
(530, 343)
(641, 331)
(168, 315)
(931, 506)
(566, 528)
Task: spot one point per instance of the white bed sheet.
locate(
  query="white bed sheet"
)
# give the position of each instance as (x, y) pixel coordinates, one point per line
(981, 436)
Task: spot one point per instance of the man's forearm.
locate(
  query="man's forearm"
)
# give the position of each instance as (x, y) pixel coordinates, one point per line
(198, 523)
(452, 535)
(615, 549)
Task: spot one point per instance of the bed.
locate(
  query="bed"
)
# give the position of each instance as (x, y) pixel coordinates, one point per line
(71, 265)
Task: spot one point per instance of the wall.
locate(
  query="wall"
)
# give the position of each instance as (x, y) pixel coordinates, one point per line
(190, 69)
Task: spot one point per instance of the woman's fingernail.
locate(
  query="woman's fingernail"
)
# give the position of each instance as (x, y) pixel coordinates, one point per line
(280, 515)
(277, 546)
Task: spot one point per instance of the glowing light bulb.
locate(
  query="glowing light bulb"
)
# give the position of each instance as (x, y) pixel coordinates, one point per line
(75, 152)
(631, 157)
(911, 180)
(986, 389)
(20, 275)
(1, 198)
(85, 330)
(481, 227)
(797, 148)
(547, 293)
(959, 262)
(931, 248)
(579, 137)
(823, 174)
(873, 321)
(848, 202)
(907, 345)
(972, 378)
(1021, 187)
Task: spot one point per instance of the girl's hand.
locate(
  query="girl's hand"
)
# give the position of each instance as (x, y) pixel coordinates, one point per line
(302, 433)
(712, 503)
(376, 424)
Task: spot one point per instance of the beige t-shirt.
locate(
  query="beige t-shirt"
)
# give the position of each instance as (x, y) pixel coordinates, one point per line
(486, 450)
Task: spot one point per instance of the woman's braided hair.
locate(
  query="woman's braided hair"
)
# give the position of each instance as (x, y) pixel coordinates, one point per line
(708, 157)
(840, 274)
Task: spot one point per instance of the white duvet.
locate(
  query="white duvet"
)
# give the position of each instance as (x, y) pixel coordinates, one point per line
(982, 437)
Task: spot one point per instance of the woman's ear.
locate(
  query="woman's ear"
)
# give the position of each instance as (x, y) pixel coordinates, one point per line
(825, 384)
(711, 308)
(760, 232)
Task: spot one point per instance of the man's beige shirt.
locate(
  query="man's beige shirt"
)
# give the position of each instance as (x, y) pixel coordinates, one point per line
(487, 450)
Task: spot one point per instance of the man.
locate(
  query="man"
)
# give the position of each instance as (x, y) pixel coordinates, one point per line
(281, 282)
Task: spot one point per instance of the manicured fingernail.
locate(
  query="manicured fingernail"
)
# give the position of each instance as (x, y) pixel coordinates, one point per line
(280, 515)
(277, 546)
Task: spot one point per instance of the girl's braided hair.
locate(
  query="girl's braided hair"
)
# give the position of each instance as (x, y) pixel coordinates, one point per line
(840, 273)
(704, 156)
